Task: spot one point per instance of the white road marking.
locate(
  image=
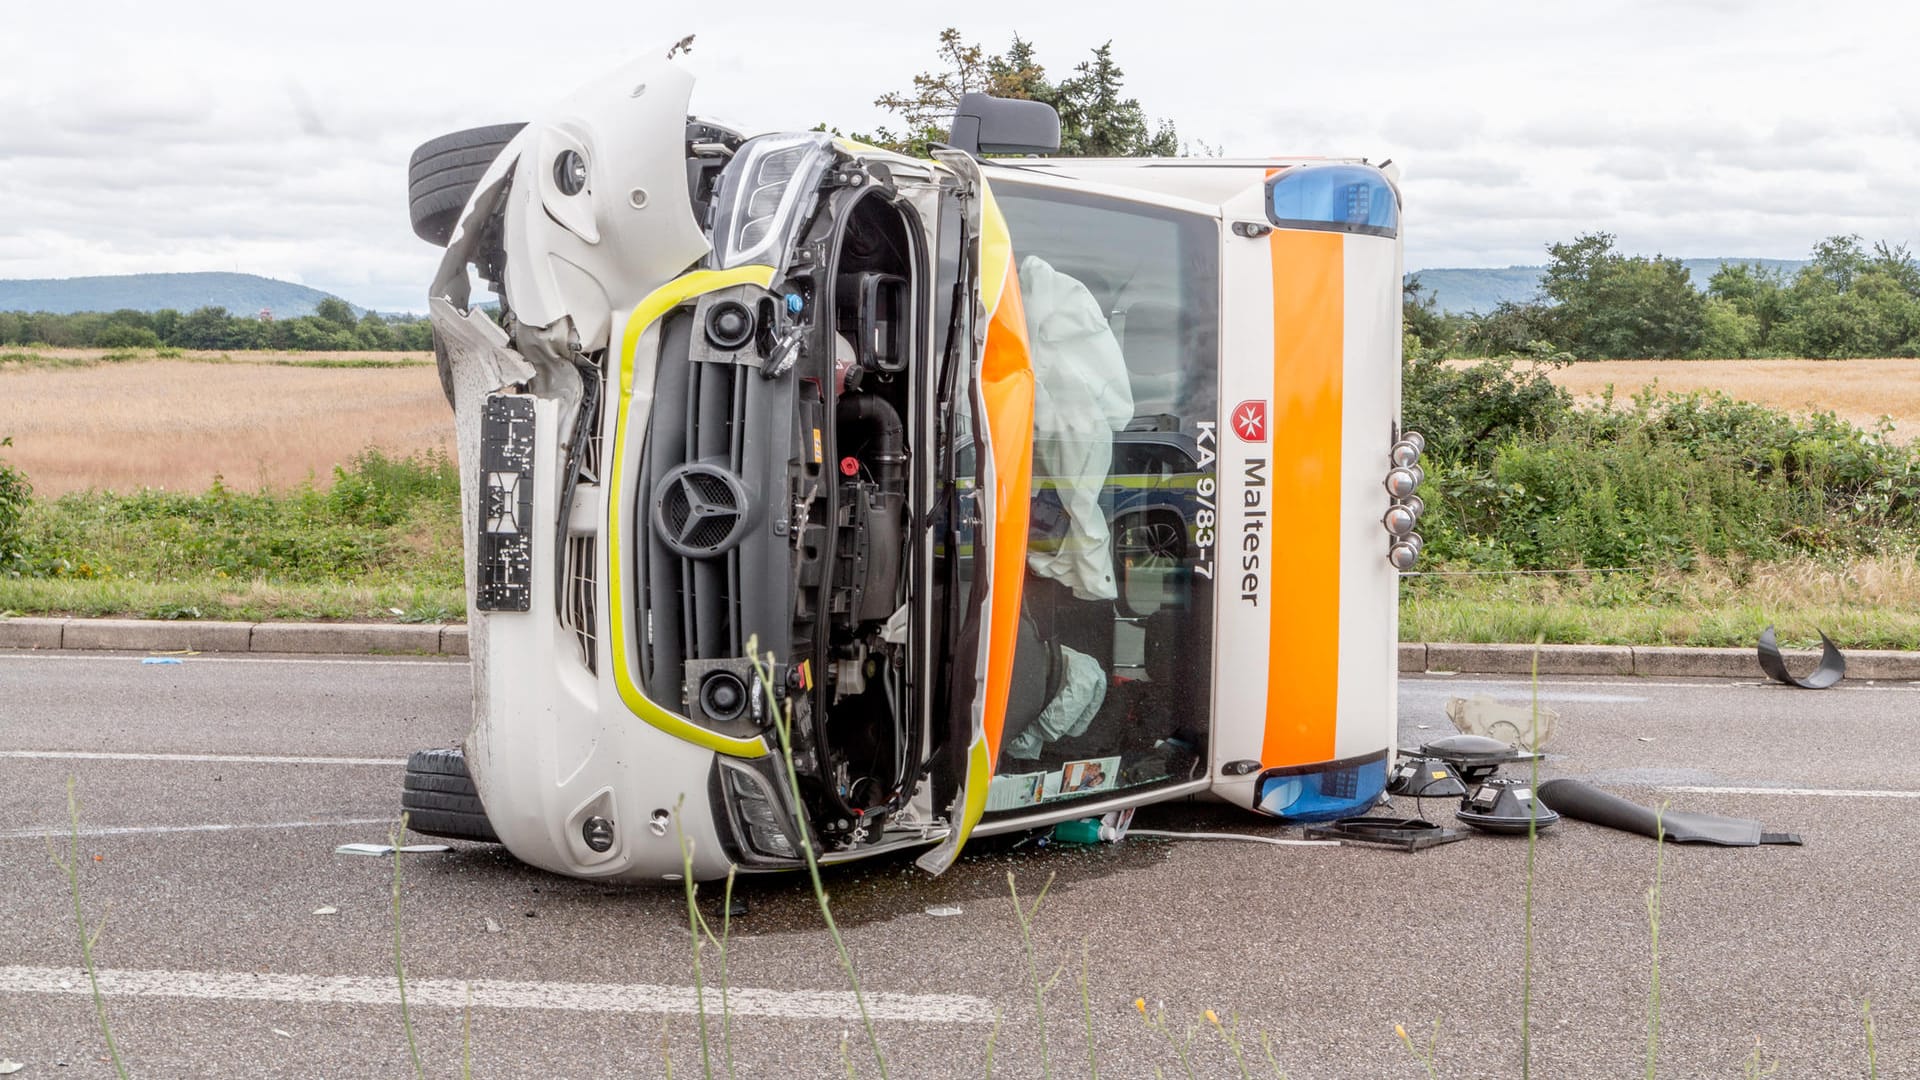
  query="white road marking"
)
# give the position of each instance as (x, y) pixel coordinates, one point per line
(496, 994)
(1837, 793)
(1456, 679)
(242, 658)
(217, 759)
(132, 830)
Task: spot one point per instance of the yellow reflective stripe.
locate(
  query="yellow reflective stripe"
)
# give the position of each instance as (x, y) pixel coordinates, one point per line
(979, 780)
(648, 311)
(996, 250)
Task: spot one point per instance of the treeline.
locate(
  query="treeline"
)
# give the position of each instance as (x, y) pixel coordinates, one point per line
(333, 326)
(1598, 304)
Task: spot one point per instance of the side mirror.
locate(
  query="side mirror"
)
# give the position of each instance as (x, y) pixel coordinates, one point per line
(984, 124)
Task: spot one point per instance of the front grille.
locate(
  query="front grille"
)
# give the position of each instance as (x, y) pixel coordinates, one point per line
(577, 608)
(578, 578)
(690, 600)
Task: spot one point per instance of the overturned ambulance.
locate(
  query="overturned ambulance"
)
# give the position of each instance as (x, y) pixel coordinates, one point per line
(1038, 488)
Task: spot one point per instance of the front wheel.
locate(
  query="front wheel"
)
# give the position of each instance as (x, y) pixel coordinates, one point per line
(440, 799)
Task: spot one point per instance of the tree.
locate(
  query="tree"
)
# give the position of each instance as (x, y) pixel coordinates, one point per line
(336, 311)
(1612, 306)
(1096, 119)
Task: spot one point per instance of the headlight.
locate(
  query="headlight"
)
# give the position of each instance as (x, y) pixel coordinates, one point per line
(1404, 453)
(1401, 482)
(757, 814)
(763, 194)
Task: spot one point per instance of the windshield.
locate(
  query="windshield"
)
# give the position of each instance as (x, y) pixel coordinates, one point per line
(1113, 673)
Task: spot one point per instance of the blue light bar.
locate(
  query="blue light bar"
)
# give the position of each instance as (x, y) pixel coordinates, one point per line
(1339, 198)
(1324, 793)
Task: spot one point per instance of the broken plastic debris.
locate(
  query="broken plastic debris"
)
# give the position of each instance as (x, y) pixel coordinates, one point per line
(942, 911)
(161, 660)
(396, 611)
(388, 849)
(326, 911)
(282, 1034)
(492, 927)
(1482, 715)
(1833, 666)
(1646, 738)
(9, 1066)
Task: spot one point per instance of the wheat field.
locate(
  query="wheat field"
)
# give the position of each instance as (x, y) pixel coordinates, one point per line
(1861, 391)
(252, 418)
(276, 419)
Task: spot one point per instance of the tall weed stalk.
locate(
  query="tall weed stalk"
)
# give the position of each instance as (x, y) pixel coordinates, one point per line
(1653, 930)
(70, 867)
(783, 724)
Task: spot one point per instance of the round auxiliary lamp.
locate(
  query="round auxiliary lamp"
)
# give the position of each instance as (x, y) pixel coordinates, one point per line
(1504, 804)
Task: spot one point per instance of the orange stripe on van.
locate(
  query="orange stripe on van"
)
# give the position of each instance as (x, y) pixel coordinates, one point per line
(1309, 320)
(1006, 384)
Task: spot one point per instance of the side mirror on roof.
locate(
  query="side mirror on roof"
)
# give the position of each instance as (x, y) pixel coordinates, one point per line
(984, 124)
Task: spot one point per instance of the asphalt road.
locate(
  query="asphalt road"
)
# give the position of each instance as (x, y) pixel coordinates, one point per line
(213, 792)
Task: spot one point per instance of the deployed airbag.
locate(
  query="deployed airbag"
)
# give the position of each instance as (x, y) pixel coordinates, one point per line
(1081, 397)
(1584, 802)
(1071, 711)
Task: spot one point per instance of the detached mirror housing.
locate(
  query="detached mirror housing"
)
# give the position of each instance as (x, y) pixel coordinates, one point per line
(984, 124)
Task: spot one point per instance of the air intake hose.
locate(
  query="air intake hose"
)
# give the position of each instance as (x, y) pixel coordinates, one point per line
(887, 443)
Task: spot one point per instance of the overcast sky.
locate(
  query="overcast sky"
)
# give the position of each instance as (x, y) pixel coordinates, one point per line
(206, 135)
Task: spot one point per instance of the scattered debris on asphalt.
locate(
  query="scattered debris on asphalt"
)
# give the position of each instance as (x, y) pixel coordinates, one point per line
(492, 927)
(161, 660)
(1505, 804)
(282, 1034)
(1408, 834)
(9, 1066)
(942, 911)
(1582, 801)
(1833, 665)
(388, 849)
(326, 911)
(1513, 724)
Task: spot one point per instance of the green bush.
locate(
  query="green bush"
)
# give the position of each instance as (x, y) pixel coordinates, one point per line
(383, 518)
(16, 495)
(1662, 481)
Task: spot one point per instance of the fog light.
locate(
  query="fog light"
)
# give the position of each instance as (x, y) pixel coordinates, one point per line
(1404, 453)
(723, 697)
(598, 833)
(1401, 482)
(729, 324)
(1415, 505)
(1418, 440)
(1398, 520)
(570, 172)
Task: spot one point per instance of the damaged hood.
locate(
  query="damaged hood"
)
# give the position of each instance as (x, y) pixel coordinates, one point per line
(575, 264)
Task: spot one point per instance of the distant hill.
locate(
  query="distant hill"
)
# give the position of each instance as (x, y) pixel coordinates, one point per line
(1476, 290)
(240, 294)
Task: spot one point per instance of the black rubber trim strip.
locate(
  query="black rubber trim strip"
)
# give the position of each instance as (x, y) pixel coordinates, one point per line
(1582, 801)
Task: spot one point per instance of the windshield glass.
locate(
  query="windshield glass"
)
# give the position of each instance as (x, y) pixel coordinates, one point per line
(1112, 676)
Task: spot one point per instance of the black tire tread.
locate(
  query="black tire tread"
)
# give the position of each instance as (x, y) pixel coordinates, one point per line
(442, 173)
(440, 799)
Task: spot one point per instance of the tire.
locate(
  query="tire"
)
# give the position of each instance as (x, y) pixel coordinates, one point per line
(440, 800)
(443, 172)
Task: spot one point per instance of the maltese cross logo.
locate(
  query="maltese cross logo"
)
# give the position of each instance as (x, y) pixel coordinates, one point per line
(1250, 421)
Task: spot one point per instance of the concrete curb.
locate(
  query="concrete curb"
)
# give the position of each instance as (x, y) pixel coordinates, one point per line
(152, 635)
(450, 639)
